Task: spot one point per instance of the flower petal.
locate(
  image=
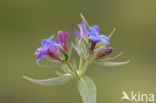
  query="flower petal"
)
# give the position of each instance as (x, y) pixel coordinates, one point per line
(92, 32)
(104, 37)
(77, 33)
(51, 45)
(96, 27)
(41, 54)
(45, 42)
(83, 33)
(37, 52)
(92, 38)
(50, 38)
(106, 41)
(82, 25)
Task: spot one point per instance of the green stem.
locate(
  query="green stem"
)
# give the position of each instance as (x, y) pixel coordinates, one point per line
(76, 75)
(81, 63)
(72, 71)
(69, 66)
(86, 63)
(84, 67)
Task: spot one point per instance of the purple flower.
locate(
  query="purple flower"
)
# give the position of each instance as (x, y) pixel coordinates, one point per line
(50, 48)
(62, 39)
(105, 52)
(95, 37)
(83, 32)
(42, 51)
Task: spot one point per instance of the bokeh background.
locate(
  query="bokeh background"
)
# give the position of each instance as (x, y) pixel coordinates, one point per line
(23, 23)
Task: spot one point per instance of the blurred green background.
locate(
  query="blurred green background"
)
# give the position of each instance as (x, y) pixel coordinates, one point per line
(23, 23)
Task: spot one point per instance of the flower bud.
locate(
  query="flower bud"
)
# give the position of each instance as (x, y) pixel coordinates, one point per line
(55, 54)
(92, 46)
(105, 52)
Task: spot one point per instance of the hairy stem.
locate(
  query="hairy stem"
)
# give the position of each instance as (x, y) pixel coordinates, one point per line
(84, 67)
(70, 68)
(72, 71)
(81, 63)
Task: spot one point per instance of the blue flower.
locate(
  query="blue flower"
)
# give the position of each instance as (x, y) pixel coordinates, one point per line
(47, 44)
(95, 37)
(50, 48)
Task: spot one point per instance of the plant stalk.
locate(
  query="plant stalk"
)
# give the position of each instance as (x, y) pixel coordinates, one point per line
(81, 63)
(72, 71)
(69, 66)
(84, 67)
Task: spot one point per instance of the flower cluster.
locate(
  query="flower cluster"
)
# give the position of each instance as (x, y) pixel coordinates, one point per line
(90, 45)
(51, 48)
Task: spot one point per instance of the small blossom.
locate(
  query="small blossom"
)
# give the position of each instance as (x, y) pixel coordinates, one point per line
(96, 27)
(105, 52)
(95, 37)
(50, 48)
(42, 51)
(83, 32)
(62, 39)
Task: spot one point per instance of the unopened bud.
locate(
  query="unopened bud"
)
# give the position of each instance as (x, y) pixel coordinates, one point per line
(105, 52)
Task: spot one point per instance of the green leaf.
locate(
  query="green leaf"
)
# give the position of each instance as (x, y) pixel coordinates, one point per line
(63, 74)
(111, 34)
(82, 47)
(87, 90)
(76, 48)
(50, 81)
(99, 44)
(114, 57)
(110, 63)
(64, 68)
(71, 49)
(85, 21)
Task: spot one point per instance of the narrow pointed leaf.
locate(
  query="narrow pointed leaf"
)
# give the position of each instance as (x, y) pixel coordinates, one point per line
(111, 34)
(71, 49)
(99, 44)
(87, 90)
(85, 21)
(110, 63)
(111, 58)
(63, 74)
(76, 48)
(50, 81)
(82, 47)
